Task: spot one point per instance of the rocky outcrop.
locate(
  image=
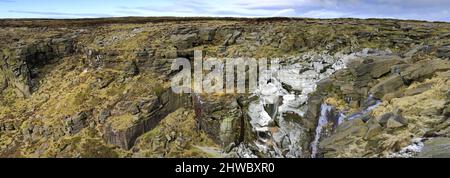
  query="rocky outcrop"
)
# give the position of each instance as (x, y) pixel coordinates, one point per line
(123, 130)
(405, 77)
(363, 133)
(176, 136)
(444, 52)
(346, 88)
(19, 64)
(337, 141)
(223, 119)
(372, 68)
(187, 37)
(436, 148)
(395, 124)
(76, 123)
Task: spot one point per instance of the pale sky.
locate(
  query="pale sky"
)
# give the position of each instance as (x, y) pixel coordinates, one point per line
(432, 10)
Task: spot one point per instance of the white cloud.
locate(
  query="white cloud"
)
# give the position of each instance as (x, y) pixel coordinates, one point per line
(323, 14)
(285, 13)
(404, 9)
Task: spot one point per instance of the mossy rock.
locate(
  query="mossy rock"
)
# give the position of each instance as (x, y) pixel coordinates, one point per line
(96, 148)
(176, 136)
(3, 82)
(123, 122)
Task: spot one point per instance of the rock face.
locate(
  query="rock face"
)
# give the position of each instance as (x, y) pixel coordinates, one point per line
(436, 148)
(444, 52)
(278, 115)
(373, 68)
(120, 133)
(390, 125)
(176, 136)
(18, 63)
(411, 73)
(344, 88)
(224, 119)
(77, 123)
(354, 127)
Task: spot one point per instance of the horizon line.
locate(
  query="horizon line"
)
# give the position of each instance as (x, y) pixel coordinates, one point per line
(225, 17)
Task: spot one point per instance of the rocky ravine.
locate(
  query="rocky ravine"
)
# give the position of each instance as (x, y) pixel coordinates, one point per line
(346, 88)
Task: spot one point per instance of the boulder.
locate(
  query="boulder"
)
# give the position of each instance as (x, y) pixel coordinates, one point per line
(185, 41)
(392, 120)
(392, 124)
(230, 39)
(131, 69)
(374, 129)
(417, 49)
(388, 85)
(366, 70)
(418, 90)
(104, 114)
(207, 34)
(3, 82)
(382, 65)
(425, 69)
(436, 148)
(353, 128)
(444, 52)
(76, 123)
(383, 119)
(414, 72)
(446, 112)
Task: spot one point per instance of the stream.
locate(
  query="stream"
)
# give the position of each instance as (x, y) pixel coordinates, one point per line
(326, 116)
(282, 100)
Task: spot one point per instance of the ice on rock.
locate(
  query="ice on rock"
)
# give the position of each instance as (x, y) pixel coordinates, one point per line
(260, 118)
(301, 74)
(411, 150)
(323, 120)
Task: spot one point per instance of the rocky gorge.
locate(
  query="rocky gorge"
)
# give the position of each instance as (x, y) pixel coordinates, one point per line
(344, 88)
